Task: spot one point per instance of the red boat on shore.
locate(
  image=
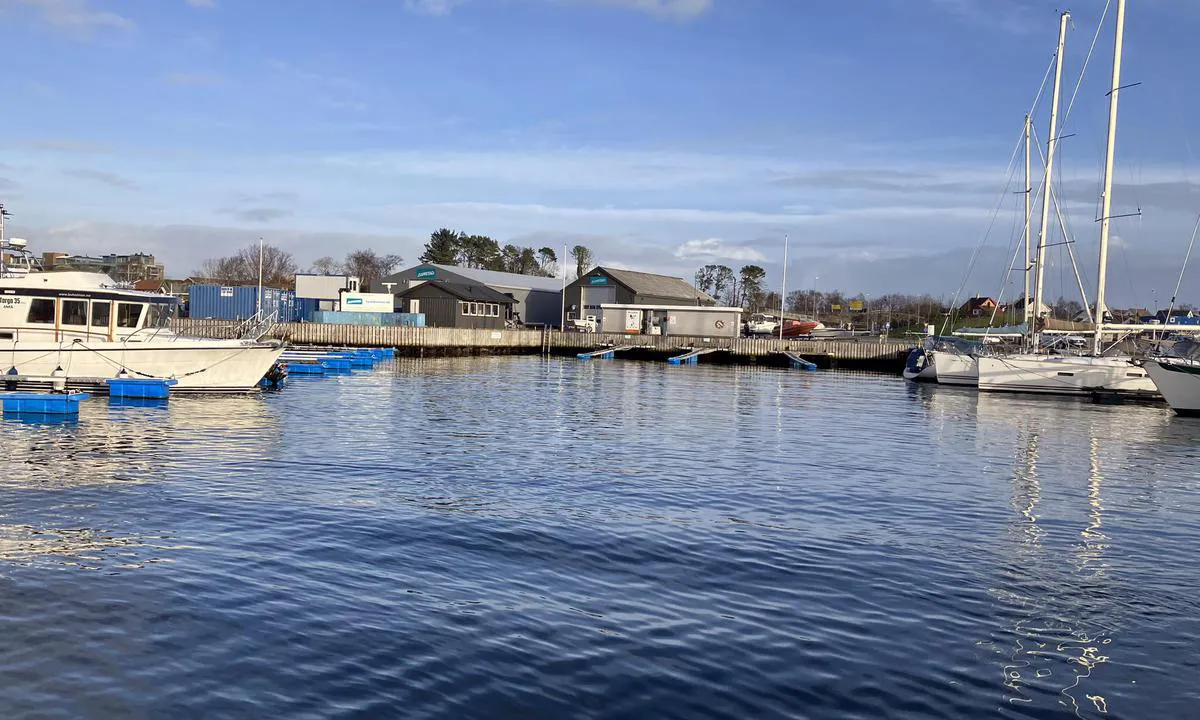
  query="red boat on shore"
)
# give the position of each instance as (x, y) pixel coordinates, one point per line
(760, 324)
(798, 328)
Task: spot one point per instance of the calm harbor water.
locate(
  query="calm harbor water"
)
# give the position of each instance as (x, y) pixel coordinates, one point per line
(527, 538)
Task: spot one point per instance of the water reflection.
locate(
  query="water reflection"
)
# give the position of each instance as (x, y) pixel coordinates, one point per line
(81, 548)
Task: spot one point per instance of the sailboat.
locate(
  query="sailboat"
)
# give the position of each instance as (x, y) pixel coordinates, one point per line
(1036, 372)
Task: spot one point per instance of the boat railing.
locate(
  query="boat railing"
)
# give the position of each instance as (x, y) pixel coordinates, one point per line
(257, 325)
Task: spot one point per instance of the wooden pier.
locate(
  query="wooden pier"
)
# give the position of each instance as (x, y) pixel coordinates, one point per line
(859, 353)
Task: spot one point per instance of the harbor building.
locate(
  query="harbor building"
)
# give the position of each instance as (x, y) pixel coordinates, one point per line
(457, 305)
(316, 293)
(121, 268)
(610, 286)
(535, 300)
(625, 301)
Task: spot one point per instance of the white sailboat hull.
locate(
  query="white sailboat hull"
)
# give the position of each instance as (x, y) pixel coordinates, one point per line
(1063, 375)
(919, 367)
(956, 369)
(199, 365)
(1179, 384)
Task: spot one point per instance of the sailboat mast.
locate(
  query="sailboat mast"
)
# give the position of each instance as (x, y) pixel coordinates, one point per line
(1028, 219)
(1109, 155)
(1051, 144)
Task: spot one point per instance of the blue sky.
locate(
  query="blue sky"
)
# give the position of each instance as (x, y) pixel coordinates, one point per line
(664, 134)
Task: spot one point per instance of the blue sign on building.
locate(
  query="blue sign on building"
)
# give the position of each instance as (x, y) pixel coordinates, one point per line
(598, 280)
(426, 273)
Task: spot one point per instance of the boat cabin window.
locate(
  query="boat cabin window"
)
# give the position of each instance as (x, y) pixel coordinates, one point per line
(101, 310)
(128, 314)
(41, 310)
(74, 312)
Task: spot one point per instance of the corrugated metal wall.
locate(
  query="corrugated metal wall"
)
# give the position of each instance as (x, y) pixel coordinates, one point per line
(225, 302)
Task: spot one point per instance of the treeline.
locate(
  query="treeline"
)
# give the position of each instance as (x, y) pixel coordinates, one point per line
(279, 267)
(741, 289)
(454, 247)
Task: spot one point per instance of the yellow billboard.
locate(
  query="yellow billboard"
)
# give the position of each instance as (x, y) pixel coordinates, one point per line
(856, 304)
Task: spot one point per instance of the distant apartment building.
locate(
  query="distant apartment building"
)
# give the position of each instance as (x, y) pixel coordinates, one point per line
(122, 268)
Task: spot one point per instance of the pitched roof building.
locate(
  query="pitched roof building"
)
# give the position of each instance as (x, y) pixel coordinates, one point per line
(610, 286)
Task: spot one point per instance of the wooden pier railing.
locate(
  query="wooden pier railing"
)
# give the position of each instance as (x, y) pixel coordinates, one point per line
(860, 349)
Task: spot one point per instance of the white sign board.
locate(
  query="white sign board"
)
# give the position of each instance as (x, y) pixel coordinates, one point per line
(368, 302)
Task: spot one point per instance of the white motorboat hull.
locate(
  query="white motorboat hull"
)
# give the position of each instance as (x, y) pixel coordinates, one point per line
(956, 369)
(199, 365)
(1063, 375)
(1179, 384)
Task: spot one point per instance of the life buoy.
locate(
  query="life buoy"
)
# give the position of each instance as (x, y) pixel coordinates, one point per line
(720, 324)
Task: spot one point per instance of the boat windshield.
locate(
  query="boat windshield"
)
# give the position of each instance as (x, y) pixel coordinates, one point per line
(161, 314)
(1186, 348)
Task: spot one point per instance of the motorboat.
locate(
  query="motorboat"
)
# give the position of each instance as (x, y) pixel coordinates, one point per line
(1176, 374)
(762, 324)
(919, 366)
(87, 328)
(801, 327)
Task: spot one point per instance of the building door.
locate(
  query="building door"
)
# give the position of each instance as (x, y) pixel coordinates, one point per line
(591, 298)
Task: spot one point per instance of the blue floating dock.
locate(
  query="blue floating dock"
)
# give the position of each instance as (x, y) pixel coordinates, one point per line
(137, 402)
(337, 365)
(142, 388)
(22, 403)
(603, 353)
(306, 368)
(799, 363)
(691, 357)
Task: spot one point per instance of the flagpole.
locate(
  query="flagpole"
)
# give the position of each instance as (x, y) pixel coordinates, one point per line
(258, 308)
(563, 318)
(783, 291)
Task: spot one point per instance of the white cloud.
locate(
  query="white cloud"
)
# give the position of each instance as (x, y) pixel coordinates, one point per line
(671, 9)
(431, 7)
(716, 249)
(665, 9)
(78, 16)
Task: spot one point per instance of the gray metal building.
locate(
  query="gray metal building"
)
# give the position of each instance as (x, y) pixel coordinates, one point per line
(610, 286)
(457, 305)
(536, 300)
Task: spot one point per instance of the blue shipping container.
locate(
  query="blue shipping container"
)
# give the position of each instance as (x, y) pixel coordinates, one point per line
(305, 307)
(225, 302)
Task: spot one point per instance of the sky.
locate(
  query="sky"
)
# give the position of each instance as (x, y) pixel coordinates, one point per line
(876, 135)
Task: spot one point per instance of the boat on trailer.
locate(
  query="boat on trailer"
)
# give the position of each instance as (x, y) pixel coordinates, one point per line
(88, 328)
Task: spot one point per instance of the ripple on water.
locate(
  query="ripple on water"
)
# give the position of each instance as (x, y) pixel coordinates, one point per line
(530, 538)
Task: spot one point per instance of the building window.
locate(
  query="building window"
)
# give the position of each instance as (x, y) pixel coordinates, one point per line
(464, 308)
(495, 311)
(128, 314)
(41, 311)
(74, 312)
(100, 313)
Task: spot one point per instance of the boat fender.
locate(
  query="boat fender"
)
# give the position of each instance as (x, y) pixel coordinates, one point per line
(58, 380)
(11, 384)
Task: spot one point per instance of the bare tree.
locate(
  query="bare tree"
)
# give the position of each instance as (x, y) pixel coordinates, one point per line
(278, 267)
(369, 267)
(325, 266)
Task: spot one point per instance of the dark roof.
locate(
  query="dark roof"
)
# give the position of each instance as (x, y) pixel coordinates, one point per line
(473, 293)
(663, 286)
